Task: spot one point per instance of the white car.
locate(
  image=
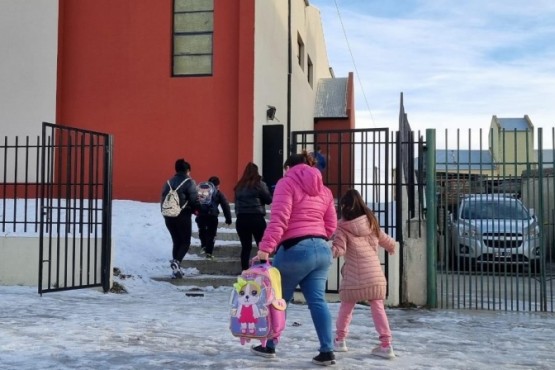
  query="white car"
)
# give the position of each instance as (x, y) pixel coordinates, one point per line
(494, 230)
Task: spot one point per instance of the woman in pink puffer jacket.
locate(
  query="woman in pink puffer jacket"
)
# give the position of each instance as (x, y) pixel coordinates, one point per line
(303, 218)
(357, 238)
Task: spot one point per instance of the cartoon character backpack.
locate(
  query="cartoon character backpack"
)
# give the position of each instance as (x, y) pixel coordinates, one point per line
(205, 192)
(257, 306)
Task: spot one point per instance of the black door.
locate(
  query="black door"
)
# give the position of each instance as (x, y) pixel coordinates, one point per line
(272, 154)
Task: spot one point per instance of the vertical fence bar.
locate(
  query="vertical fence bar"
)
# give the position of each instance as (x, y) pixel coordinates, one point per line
(26, 186)
(14, 183)
(396, 148)
(41, 211)
(4, 184)
(431, 219)
(79, 193)
(543, 285)
(38, 161)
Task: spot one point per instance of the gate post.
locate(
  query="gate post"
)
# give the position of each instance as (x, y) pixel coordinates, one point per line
(431, 218)
(106, 278)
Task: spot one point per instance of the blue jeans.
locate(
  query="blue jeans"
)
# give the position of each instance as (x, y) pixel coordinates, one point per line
(306, 264)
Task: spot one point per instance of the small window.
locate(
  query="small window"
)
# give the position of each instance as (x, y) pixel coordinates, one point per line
(193, 37)
(310, 70)
(300, 51)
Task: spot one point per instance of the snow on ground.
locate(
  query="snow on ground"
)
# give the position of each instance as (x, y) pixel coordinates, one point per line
(157, 326)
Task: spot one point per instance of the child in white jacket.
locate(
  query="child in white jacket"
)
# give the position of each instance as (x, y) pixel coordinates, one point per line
(357, 238)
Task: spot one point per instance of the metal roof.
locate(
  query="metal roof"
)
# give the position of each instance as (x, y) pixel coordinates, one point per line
(331, 98)
(519, 124)
(464, 160)
(461, 159)
(547, 156)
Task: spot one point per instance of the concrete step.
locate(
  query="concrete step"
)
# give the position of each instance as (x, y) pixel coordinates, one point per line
(218, 266)
(201, 280)
(220, 251)
(227, 236)
(227, 260)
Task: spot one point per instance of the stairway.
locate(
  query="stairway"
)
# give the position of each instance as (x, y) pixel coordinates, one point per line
(224, 268)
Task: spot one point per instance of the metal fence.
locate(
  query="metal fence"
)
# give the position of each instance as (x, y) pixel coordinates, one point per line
(19, 187)
(495, 219)
(58, 186)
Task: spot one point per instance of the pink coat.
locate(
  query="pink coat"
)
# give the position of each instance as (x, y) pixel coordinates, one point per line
(301, 206)
(362, 275)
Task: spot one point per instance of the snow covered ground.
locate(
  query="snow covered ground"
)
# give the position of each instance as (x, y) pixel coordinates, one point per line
(157, 326)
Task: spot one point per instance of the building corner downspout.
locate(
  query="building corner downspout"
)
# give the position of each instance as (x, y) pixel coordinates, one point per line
(289, 72)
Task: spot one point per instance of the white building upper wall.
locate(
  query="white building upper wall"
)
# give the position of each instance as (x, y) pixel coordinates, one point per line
(271, 65)
(29, 44)
(307, 23)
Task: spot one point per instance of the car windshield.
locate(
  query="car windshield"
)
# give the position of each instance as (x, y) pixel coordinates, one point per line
(495, 209)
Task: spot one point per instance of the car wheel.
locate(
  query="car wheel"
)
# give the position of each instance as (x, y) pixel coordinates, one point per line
(465, 264)
(452, 261)
(535, 266)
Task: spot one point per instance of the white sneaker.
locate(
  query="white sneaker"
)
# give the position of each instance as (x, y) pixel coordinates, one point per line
(340, 346)
(385, 352)
(176, 269)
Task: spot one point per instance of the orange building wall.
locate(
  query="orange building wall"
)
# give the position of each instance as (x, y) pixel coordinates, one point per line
(114, 76)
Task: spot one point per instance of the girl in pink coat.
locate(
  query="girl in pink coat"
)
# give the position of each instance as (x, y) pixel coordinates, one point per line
(358, 237)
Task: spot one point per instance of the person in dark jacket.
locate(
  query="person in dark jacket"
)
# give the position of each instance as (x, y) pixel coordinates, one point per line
(180, 227)
(207, 218)
(251, 197)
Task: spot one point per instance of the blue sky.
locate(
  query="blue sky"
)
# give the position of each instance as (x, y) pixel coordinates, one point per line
(458, 63)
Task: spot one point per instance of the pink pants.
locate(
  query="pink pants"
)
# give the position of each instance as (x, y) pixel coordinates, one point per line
(378, 316)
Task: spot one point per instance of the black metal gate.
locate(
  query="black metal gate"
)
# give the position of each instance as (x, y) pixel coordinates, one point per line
(76, 209)
(366, 159)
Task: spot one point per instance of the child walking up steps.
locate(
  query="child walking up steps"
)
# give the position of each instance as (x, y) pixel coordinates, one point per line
(357, 238)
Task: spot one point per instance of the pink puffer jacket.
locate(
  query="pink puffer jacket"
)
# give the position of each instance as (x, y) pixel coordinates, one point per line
(301, 206)
(362, 275)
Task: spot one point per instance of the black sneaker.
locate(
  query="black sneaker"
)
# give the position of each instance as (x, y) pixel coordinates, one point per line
(324, 359)
(264, 351)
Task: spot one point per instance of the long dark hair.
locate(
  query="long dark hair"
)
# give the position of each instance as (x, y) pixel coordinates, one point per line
(352, 206)
(250, 177)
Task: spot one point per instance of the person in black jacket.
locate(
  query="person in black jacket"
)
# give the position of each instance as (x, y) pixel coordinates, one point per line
(207, 219)
(251, 197)
(180, 227)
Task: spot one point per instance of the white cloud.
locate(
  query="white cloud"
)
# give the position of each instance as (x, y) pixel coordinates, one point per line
(454, 63)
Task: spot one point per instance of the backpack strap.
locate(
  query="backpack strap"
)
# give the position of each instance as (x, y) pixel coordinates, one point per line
(183, 182)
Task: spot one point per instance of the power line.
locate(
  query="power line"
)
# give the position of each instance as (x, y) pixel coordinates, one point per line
(354, 64)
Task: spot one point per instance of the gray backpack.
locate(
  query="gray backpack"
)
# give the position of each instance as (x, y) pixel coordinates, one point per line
(170, 205)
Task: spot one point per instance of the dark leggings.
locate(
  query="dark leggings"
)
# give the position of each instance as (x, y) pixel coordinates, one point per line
(249, 226)
(207, 229)
(180, 231)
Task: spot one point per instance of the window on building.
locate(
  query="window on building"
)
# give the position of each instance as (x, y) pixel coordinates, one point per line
(193, 33)
(300, 51)
(310, 70)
